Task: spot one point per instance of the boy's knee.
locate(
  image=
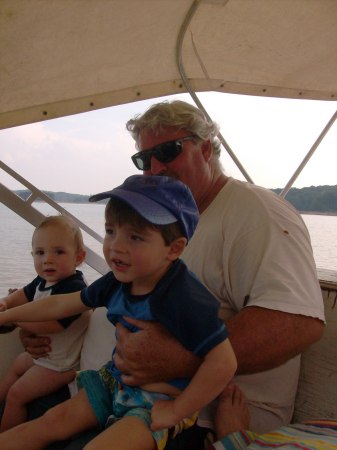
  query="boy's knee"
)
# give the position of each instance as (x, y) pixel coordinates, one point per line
(55, 416)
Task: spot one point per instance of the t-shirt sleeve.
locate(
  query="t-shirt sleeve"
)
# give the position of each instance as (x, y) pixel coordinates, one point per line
(98, 293)
(30, 288)
(73, 284)
(276, 259)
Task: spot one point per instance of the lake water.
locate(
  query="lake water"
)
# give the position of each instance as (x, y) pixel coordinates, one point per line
(16, 266)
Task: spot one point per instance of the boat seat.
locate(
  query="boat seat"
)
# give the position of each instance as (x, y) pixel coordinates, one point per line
(317, 389)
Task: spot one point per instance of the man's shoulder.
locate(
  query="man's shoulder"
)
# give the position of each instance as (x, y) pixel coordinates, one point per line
(257, 200)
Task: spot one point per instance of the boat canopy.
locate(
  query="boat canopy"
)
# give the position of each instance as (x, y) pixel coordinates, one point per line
(62, 57)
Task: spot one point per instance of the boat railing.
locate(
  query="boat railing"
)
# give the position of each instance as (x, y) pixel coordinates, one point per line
(25, 209)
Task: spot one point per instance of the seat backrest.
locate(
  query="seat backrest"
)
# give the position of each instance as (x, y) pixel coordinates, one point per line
(317, 390)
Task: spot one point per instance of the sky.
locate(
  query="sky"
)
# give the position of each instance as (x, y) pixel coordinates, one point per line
(90, 152)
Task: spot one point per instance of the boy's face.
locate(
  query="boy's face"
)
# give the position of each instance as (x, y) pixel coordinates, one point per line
(136, 256)
(55, 253)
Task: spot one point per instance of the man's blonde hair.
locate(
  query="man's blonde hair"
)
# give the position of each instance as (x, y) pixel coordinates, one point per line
(177, 114)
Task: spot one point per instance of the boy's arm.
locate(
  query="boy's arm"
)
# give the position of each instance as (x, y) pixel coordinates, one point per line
(18, 297)
(49, 308)
(15, 298)
(45, 327)
(213, 375)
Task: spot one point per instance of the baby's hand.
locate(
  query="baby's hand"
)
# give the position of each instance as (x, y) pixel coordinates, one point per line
(163, 415)
(2, 306)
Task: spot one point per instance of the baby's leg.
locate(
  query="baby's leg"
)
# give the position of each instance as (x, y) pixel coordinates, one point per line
(21, 364)
(129, 433)
(59, 423)
(35, 382)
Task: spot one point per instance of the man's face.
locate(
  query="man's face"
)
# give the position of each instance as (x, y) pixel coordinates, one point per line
(190, 166)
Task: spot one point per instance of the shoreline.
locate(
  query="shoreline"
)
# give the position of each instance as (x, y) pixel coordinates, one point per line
(319, 213)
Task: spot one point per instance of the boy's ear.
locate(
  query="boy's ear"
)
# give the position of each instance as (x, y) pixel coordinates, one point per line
(176, 248)
(80, 257)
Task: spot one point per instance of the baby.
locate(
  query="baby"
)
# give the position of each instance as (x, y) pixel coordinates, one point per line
(57, 249)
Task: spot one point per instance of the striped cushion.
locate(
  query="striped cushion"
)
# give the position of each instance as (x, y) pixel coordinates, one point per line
(320, 434)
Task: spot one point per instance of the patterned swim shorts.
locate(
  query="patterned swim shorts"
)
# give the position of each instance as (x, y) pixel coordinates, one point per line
(111, 401)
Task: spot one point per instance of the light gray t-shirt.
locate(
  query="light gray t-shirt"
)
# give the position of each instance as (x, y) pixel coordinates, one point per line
(252, 248)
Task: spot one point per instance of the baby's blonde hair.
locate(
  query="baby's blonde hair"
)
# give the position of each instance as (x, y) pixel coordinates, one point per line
(64, 222)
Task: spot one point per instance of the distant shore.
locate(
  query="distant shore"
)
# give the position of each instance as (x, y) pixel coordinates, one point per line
(319, 213)
(317, 200)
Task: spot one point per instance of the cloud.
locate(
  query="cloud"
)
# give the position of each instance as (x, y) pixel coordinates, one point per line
(90, 152)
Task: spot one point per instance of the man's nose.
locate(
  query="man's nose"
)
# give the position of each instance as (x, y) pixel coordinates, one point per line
(157, 167)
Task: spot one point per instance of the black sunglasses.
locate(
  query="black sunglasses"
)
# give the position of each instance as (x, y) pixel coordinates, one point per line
(165, 153)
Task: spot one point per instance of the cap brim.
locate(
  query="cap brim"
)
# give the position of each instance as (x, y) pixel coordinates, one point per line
(147, 208)
(100, 196)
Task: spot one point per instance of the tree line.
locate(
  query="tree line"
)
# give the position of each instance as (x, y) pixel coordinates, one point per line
(322, 199)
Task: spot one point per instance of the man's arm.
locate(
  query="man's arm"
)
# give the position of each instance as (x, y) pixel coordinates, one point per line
(152, 354)
(278, 337)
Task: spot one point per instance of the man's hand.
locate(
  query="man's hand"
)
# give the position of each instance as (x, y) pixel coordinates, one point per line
(36, 346)
(151, 354)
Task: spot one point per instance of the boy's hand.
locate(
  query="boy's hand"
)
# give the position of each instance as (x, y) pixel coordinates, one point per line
(11, 290)
(163, 415)
(5, 328)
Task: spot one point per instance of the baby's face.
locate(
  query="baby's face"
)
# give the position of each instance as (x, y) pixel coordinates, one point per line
(55, 253)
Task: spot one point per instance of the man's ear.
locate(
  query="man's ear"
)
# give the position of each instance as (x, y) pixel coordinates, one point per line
(80, 257)
(176, 248)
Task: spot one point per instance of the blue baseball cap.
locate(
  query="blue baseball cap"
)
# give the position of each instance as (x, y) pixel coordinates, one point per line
(159, 199)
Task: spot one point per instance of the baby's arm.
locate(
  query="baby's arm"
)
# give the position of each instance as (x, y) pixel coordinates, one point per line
(213, 375)
(49, 308)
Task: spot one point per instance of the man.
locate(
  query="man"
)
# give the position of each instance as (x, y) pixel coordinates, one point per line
(252, 251)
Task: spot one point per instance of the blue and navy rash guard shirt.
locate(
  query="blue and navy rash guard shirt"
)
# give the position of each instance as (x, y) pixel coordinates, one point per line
(179, 301)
